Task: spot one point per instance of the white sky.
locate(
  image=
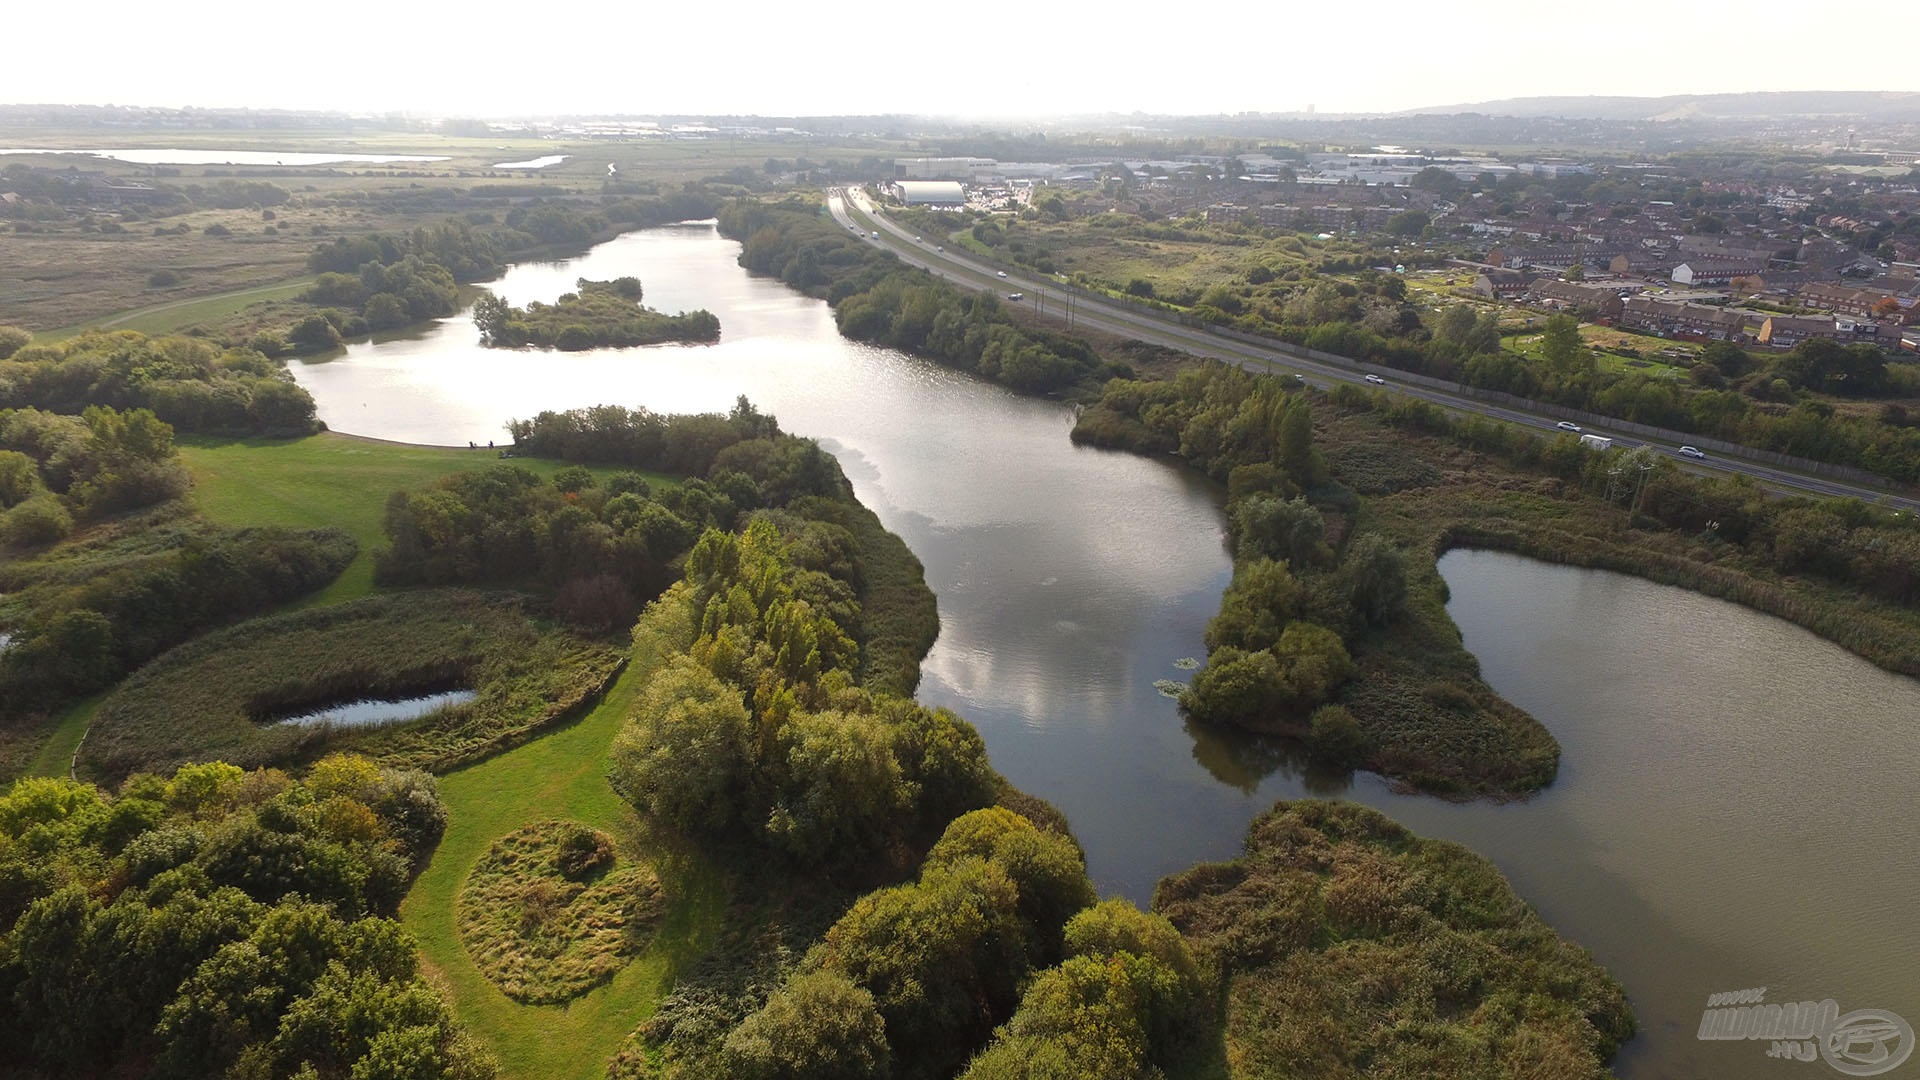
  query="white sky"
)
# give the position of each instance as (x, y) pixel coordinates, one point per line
(942, 58)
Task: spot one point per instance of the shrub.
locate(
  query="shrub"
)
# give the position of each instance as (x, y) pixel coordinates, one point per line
(582, 852)
(37, 521)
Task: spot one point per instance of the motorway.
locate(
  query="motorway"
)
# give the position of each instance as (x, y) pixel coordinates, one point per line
(1050, 298)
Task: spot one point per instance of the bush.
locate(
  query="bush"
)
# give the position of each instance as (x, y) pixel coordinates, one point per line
(37, 521)
(12, 340)
(161, 279)
(1335, 737)
(819, 1026)
(582, 852)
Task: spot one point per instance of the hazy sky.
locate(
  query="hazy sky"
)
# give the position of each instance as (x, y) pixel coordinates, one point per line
(975, 59)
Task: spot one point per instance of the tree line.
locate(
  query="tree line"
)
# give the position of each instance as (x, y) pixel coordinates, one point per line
(876, 299)
(86, 620)
(1846, 541)
(1773, 403)
(188, 383)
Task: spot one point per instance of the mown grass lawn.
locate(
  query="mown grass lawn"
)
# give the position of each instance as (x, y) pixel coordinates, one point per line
(328, 479)
(562, 775)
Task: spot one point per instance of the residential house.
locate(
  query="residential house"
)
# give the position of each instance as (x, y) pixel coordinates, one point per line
(1601, 299)
(1669, 318)
(1786, 331)
(1859, 301)
(1716, 272)
(1497, 284)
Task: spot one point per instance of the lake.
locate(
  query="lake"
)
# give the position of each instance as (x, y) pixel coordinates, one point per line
(288, 158)
(1733, 804)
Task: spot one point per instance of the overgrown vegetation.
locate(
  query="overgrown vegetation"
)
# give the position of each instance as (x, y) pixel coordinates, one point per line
(1841, 568)
(218, 695)
(85, 614)
(186, 382)
(57, 469)
(550, 911)
(877, 299)
(221, 922)
(749, 465)
(600, 314)
(1322, 635)
(1344, 945)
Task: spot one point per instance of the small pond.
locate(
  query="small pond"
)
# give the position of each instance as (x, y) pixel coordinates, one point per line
(372, 712)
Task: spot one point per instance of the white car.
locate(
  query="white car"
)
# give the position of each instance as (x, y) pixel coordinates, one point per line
(1003, 273)
(1376, 380)
(1692, 451)
(1568, 425)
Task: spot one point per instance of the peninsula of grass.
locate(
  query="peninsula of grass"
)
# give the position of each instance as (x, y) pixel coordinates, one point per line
(602, 314)
(219, 695)
(561, 775)
(551, 911)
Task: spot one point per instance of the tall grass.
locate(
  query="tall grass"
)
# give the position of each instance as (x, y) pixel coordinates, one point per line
(215, 697)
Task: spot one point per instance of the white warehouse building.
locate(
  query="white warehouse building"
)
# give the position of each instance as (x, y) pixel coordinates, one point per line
(930, 192)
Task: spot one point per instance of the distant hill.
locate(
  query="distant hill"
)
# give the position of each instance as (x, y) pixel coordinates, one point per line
(1862, 104)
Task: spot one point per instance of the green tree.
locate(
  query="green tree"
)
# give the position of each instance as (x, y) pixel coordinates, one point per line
(819, 1026)
(12, 340)
(1561, 346)
(1408, 223)
(687, 755)
(843, 787)
(1283, 529)
(1375, 572)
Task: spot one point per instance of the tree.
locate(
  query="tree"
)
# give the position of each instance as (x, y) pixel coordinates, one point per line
(313, 334)
(1267, 527)
(12, 340)
(1437, 180)
(1408, 223)
(1560, 345)
(1376, 575)
(686, 756)
(819, 1026)
(843, 787)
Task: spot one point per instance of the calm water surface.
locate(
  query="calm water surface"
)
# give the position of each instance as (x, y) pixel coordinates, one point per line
(1735, 802)
(376, 711)
(145, 156)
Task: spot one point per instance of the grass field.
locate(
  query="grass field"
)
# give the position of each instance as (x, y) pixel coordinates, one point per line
(327, 479)
(562, 775)
(176, 314)
(341, 480)
(95, 268)
(55, 756)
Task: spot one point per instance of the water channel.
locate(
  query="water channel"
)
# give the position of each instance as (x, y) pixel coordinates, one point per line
(1735, 803)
